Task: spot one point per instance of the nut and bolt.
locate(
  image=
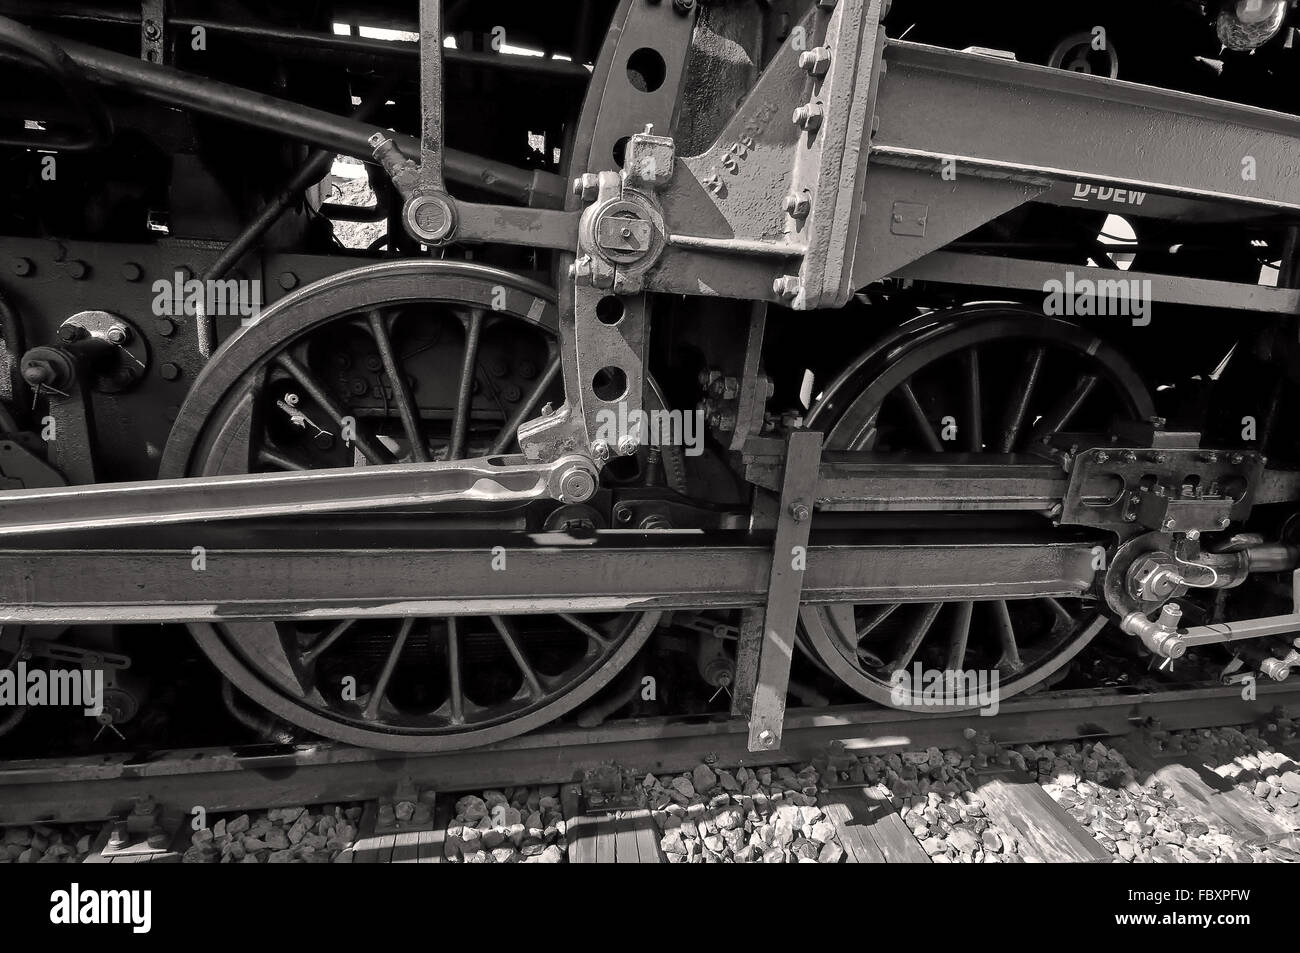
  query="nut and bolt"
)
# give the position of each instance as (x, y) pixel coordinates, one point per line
(1101, 456)
(151, 30)
(118, 334)
(1223, 523)
(132, 271)
(766, 738)
(623, 513)
(587, 186)
(798, 206)
(627, 445)
(683, 6)
(786, 287)
(599, 451)
(71, 333)
(22, 267)
(288, 280)
(816, 61)
(809, 117)
(799, 512)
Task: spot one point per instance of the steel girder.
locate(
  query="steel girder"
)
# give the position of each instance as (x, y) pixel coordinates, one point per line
(244, 574)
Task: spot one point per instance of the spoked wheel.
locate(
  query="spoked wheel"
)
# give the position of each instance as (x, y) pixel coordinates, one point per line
(400, 362)
(987, 379)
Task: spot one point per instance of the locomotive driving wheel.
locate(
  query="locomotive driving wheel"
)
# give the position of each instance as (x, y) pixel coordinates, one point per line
(986, 379)
(400, 362)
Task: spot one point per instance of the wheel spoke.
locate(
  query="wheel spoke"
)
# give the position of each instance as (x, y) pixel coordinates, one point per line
(527, 406)
(1014, 419)
(1059, 612)
(958, 636)
(974, 406)
(931, 439)
(875, 616)
(915, 636)
(457, 686)
(1006, 634)
(586, 630)
(465, 399)
(505, 630)
(1056, 419)
(401, 391)
(322, 644)
(374, 452)
(380, 691)
(274, 458)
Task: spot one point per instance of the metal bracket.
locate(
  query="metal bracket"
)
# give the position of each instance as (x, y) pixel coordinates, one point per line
(785, 584)
(153, 30)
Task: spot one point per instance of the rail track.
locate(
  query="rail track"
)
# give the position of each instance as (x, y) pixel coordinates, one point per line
(239, 779)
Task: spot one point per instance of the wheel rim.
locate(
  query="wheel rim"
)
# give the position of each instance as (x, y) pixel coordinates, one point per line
(1003, 377)
(278, 395)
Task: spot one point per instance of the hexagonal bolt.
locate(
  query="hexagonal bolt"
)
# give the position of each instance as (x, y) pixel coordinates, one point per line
(786, 287)
(70, 333)
(798, 206)
(587, 186)
(627, 445)
(599, 451)
(809, 117)
(816, 61)
(799, 512)
(766, 738)
(118, 334)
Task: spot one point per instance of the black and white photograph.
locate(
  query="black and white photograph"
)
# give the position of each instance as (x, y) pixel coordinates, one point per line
(565, 432)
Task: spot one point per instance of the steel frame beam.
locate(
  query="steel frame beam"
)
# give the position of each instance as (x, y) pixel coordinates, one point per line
(245, 574)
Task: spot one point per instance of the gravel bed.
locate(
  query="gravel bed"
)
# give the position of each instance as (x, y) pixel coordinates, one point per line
(282, 835)
(515, 826)
(47, 843)
(767, 815)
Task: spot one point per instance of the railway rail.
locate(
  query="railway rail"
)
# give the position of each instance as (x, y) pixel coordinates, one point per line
(225, 779)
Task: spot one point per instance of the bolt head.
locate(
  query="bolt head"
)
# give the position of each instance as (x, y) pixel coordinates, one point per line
(808, 117)
(799, 511)
(599, 451)
(68, 333)
(118, 334)
(786, 287)
(766, 738)
(587, 186)
(816, 61)
(627, 445)
(797, 206)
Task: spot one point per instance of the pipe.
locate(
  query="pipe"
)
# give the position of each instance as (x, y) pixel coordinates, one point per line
(212, 97)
